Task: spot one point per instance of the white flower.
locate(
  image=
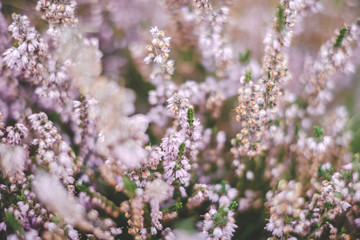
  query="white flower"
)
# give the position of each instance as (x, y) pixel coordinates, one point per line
(3, 226)
(154, 31)
(158, 191)
(148, 59)
(12, 159)
(170, 67)
(130, 153)
(167, 40)
(53, 195)
(11, 56)
(344, 205)
(171, 144)
(159, 59)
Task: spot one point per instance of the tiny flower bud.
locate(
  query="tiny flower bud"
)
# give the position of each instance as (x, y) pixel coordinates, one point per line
(155, 41)
(149, 48)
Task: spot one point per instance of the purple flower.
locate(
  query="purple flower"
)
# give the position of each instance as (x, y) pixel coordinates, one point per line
(3, 226)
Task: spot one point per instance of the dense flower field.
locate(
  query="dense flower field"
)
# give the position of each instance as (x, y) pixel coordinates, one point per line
(179, 119)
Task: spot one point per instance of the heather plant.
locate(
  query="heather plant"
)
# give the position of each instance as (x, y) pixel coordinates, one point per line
(187, 119)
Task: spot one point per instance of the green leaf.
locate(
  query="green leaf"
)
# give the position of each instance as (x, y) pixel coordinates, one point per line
(326, 219)
(233, 205)
(181, 149)
(213, 130)
(190, 116)
(297, 129)
(220, 217)
(340, 38)
(173, 208)
(186, 224)
(83, 188)
(130, 186)
(325, 173)
(248, 76)
(280, 19)
(223, 187)
(277, 122)
(318, 131)
(343, 231)
(56, 220)
(328, 205)
(245, 58)
(12, 221)
(347, 175)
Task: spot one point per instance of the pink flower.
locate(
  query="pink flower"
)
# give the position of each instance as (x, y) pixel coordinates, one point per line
(11, 56)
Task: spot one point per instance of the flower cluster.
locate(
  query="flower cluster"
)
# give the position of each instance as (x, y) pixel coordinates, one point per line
(158, 52)
(30, 51)
(334, 56)
(219, 224)
(330, 198)
(57, 12)
(60, 162)
(212, 44)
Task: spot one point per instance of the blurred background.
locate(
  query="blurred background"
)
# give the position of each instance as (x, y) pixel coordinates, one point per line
(122, 27)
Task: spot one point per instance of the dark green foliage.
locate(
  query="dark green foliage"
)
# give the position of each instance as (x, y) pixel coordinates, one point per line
(173, 208)
(340, 38)
(325, 173)
(318, 131)
(277, 122)
(223, 187)
(13, 222)
(245, 58)
(83, 188)
(181, 149)
(220, 217)
(130, 186)
(233, 205)
(328, 205)
(280, 19)
(248, 76)
(297, 129)
(190, 117)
